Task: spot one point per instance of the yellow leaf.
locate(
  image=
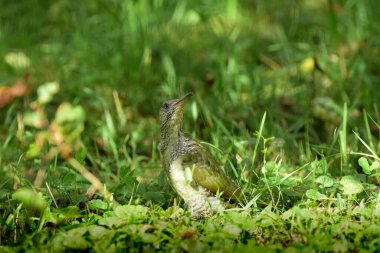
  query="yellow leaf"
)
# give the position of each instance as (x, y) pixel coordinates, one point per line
(308, 65)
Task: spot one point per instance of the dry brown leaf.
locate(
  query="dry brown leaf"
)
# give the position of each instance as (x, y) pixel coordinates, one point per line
(9, 93)
(189, 233)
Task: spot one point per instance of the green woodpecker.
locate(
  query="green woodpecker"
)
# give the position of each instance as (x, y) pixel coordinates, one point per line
(190, 167)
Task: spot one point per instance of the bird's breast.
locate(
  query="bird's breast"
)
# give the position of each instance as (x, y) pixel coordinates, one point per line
(177, 173)
(196, 197)
(182, 184)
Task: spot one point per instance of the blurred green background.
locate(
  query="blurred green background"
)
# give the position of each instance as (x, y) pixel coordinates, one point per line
(240, 57)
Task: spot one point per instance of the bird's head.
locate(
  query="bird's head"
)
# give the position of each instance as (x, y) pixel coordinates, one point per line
(171, 114)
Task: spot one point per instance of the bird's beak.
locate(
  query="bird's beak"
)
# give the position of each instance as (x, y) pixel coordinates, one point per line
(184, 98)
(179, 107)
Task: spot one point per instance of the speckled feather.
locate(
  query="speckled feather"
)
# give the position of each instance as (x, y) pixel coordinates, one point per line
(179, 152)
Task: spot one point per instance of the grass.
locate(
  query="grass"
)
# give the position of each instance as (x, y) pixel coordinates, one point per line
(286, 98)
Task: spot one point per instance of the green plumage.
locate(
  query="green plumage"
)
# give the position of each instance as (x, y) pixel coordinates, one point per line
(181, 154)
(208, 173)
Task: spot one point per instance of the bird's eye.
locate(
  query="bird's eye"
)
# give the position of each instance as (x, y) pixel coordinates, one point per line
(165, 105)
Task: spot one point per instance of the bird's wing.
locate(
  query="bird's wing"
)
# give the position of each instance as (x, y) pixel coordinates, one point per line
(207, 173)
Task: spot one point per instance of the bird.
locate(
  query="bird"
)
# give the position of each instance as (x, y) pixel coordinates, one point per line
(190, 167)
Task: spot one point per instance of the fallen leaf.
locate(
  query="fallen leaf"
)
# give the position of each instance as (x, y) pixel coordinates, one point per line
(189, 233)
(9, 93)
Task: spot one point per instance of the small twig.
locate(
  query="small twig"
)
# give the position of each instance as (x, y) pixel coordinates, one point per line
(90, 192)
(94, 181)
(39, 178)
(119, 108)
